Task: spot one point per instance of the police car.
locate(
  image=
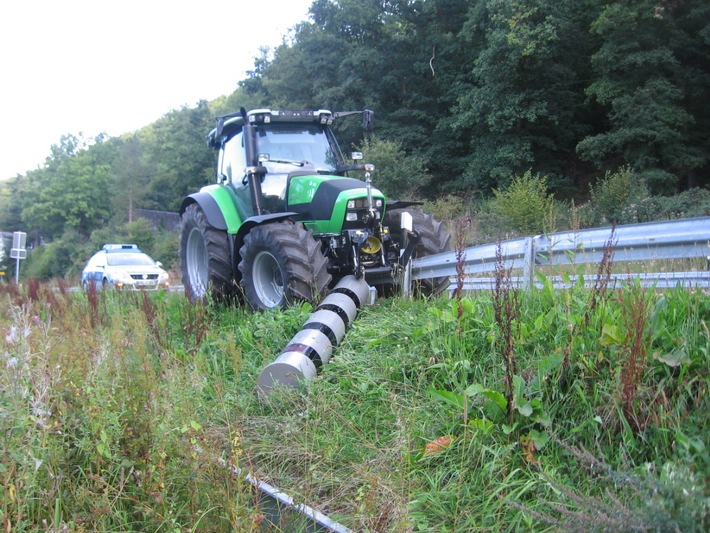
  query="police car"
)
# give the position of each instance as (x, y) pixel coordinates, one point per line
(123, 266)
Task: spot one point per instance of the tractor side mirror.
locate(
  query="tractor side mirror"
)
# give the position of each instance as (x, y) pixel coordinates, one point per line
(368, 120)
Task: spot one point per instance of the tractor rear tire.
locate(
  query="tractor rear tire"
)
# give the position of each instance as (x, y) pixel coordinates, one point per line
(205, 259)
(434, 239)
(282, 263)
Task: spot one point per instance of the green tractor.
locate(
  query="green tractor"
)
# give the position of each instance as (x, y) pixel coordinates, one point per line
(285, 223)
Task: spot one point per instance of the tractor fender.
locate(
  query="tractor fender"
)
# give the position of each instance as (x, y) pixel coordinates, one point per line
(220, 205)
(400, 204)
(209, 206)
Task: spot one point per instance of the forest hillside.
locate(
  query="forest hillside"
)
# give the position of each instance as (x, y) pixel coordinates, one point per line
(598, 109)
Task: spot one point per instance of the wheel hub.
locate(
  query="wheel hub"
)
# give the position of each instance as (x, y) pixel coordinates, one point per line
(197, 267)
(268, 279)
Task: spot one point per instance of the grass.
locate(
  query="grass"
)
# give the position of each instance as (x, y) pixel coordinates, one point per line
(573, 410)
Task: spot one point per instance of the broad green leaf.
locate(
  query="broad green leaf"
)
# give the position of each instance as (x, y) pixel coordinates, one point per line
(611, 334)
(491, 394)
(673, 359)
(519, 390)
(102, 449)
(550, 363)
(525, 409)
(481, 424)
(540, 438)
(448, 397)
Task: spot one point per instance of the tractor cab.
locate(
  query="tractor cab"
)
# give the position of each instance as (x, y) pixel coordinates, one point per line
(283, 144)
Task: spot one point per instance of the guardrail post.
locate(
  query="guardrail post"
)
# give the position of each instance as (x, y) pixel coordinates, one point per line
(407, 225)
(529, 261)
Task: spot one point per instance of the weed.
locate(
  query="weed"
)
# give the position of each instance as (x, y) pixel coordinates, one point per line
(462, 224)
(601, 280)
(636, 306)
(506, 310)
(645, 501)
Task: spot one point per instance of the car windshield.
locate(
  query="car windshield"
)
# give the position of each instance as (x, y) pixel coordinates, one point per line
(293, 146)
(130, 259)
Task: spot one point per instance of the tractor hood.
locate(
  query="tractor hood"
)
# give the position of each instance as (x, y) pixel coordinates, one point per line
(327, 198)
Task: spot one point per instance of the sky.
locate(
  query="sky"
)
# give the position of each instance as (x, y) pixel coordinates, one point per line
(114, 66)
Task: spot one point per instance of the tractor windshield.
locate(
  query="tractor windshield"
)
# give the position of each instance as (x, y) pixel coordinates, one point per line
(284, 148)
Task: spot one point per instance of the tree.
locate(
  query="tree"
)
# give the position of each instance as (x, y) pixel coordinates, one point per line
(11, 195)
(71, 191)
(644, 87)
(521, 107)
(131, 176)
(176, 150)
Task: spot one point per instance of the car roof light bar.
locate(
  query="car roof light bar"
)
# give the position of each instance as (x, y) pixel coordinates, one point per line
(112, 247)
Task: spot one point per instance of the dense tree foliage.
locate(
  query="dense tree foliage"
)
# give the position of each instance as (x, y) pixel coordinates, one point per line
(468, 95)
(70, 191)
(647, 82)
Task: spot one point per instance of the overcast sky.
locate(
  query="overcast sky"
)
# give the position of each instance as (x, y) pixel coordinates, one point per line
(114, 66)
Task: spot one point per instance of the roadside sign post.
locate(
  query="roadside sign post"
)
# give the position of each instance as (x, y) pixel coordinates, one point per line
(18, 251)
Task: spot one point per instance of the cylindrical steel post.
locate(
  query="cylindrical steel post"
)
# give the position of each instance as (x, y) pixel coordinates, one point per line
(313, 345)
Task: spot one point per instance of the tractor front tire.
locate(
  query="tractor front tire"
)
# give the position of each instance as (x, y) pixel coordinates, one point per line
(282, 263)
(433, 239)
(205, 259)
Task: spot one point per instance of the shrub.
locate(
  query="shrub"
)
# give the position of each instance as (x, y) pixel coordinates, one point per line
(141, 232)
(54, 260)
(687, 204)
(621, 198)
(448, 207)
(165, 249)
(527, 203)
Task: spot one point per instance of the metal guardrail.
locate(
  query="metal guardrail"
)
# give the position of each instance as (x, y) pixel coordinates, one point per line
(676, 239)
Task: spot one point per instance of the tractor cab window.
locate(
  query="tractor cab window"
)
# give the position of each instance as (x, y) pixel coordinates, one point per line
(233, 161)
(284, 148)
(232, 165)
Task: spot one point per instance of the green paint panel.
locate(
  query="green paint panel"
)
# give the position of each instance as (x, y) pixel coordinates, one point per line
(303, 190)
(227, 201)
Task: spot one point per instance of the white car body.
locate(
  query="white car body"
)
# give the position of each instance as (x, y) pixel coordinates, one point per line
(124, 266)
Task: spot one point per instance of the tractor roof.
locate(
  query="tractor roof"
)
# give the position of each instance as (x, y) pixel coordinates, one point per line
(227, 124)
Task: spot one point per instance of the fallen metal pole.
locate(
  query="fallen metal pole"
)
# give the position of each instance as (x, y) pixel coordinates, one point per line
(313, 345)
(283, 502)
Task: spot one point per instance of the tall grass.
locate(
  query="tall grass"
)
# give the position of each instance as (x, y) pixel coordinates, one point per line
(521, 411)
